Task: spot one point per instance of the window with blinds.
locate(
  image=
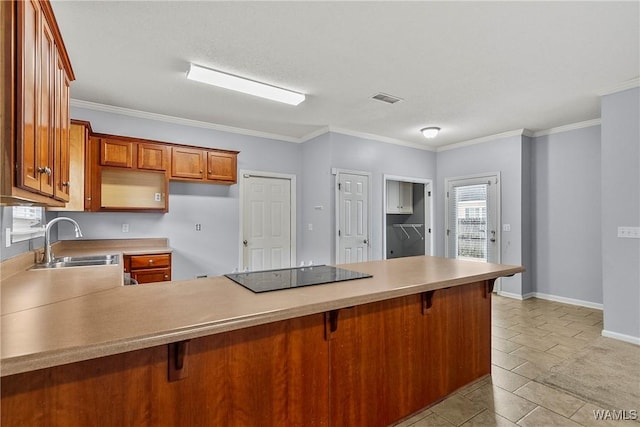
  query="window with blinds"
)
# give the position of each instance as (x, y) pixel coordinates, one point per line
(467, 222)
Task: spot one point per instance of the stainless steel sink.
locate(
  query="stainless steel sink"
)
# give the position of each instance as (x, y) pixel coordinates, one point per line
(79, 261)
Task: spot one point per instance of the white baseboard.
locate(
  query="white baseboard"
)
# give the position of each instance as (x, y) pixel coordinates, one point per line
(513, 296)
(564, 300)
(622, 337)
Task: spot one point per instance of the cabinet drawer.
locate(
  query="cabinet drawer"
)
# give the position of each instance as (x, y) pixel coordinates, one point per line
(152, 275)
(150, 261)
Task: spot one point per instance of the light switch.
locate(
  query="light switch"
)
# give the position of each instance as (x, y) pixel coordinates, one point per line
(629, 232)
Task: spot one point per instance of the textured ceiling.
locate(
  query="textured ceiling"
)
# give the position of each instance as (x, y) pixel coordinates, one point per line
(472, 68)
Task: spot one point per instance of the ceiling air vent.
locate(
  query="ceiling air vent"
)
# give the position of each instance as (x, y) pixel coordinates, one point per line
(389, 99)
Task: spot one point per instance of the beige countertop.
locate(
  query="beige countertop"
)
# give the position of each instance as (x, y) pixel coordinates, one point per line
(118, 318)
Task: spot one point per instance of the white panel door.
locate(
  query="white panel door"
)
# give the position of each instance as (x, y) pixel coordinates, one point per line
(266, 223)
(353, 218)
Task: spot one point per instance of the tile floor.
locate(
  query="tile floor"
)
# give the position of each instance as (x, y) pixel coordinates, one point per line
(529, 337)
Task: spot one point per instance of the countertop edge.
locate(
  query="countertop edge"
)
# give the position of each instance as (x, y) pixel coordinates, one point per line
(31, 362)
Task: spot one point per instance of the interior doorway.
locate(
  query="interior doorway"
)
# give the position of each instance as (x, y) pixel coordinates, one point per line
(407, 217)
(267, 221)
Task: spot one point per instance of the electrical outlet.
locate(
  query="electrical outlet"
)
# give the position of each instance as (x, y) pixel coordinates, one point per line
(125, 228)
(310, 227)
(198, 227)
(158, 197)
(506, 227)
(629, 232)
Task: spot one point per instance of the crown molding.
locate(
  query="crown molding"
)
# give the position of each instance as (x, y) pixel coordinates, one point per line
(178, 120)
(314, 134)
(629, 84)
(207, 125)
(380, 138)
(566, 128)
(488, 138)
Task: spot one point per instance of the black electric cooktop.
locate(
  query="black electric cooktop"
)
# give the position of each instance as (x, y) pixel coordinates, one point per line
(273, 280)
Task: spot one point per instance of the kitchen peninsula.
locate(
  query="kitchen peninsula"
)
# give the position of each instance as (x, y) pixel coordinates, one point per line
(209, 352)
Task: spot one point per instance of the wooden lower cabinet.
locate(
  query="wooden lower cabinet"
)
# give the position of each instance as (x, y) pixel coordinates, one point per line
(370, 365)
(148, 268)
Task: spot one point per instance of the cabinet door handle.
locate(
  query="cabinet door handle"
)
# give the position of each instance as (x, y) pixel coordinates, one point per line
(209, 172)
(65, 184)
(45, 169)
(166, 277)
(150, 261)
(244, 242)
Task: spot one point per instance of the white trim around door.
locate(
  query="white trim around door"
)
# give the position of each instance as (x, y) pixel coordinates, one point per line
(244, 174)
(367, 216)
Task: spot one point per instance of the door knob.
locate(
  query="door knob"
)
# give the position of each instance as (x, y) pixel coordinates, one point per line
(366, 242)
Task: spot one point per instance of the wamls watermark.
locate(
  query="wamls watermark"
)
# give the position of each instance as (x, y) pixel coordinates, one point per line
(615, 415)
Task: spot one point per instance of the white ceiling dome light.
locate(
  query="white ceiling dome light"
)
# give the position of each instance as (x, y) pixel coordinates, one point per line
(430, 132)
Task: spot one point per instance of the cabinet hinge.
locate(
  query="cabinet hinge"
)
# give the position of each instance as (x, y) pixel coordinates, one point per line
(428, 193)
(339, 186)
(447, 194)
(448, 231)
(429, 231)
(339, 233)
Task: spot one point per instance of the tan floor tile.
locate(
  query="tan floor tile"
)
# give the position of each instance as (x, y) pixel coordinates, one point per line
(574, 342)
(529, 330)
(457, 409)
(585, 320)
(502, 402)
(503, 333)
(541, 417)
(562, 351)
(537, 342)
(529, 370)
(506, 379)
(540, 358)
(504, 345)
(588, 335)
(557, 401)
(556, 321)
(559, 330)
(432, 420)
(414, 419)
(474, 386)
(586, 416)
(488, 419)
(505, 360)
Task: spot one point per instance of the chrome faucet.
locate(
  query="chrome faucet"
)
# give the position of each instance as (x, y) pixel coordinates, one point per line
(48, 253)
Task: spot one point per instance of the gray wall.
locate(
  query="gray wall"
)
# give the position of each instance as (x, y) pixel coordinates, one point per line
(503, 155)
(621, 207)
(566, 215)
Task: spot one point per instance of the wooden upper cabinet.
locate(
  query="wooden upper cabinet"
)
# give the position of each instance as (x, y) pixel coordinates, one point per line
(115, 152)
(187, 163)
(152, 156)
(40, 108)
(62, 139)
(222, 166)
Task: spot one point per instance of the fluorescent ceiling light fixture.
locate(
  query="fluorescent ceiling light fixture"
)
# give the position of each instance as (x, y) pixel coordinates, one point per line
(430, 132)
(240, 84)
